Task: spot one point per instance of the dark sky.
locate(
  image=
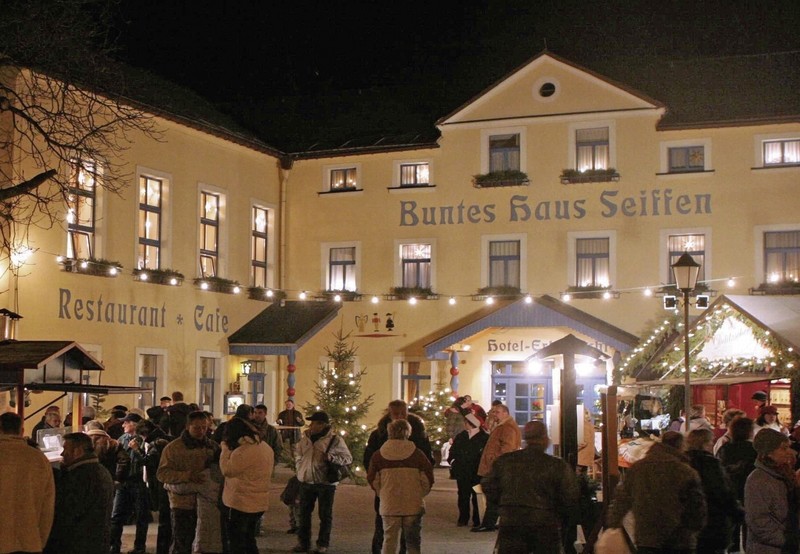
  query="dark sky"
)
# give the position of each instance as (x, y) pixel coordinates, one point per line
(286, 63)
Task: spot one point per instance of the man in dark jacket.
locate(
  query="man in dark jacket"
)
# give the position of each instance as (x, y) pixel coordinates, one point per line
(666, 497)
(155, 442)
(84, 495)
(723, 506)
(131, 496)
(536, 494)
(397, 409)
(464, 457)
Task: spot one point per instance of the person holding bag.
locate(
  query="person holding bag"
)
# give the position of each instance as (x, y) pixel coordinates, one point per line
(316, 450)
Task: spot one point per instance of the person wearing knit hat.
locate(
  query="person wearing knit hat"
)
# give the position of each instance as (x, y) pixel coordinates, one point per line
(771, 496)
(768, 419)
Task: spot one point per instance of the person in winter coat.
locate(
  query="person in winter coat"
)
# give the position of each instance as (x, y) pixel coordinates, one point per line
(727, 420)
(155, 442)
(771, 497)
(401, 475)
(108, 451)
(536, 494)
(187, 459)
(84, 497)
(131, 496)
(504, 438)
(738, 458)
(698, 419)
(464, 457)
(768, 419)
(723, 506)
(319, 446)
(26, 479)
(246, 462)
(397, 409)
(666, 497)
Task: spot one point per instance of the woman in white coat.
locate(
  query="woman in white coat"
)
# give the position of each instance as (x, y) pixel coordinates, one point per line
(246, 463)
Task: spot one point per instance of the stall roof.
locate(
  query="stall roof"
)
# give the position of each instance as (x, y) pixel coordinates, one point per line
(780, 315)
(543, 311)
(34, 354)
(282, 328)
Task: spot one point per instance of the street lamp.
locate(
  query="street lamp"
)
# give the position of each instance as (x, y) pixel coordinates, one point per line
(686, 271)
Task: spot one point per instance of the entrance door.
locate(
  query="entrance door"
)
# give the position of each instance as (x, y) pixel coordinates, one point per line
(525, 394)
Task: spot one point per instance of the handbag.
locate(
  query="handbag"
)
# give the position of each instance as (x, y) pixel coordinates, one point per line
(335, 472)
(614, 540)
(291, 491)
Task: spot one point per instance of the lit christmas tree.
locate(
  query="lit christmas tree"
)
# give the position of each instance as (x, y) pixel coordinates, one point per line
(432, 408)
(338, 392)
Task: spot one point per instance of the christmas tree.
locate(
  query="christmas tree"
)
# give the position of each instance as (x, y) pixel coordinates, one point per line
(338, 392)
(432, 409)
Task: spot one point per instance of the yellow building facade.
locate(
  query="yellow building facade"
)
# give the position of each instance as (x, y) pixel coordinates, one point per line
(559, 194)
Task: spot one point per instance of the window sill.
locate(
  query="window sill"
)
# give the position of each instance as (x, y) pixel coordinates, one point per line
(775, 289)
(589, 293)
(217, 284)
(261, 293)
(340, 191)
(776, 166)
(411, 188)
(91, 267)
(693, 172)
(344, 296)
(158, 277)
(589, 178)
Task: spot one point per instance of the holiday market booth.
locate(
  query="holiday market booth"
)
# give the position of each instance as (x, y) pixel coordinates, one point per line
(737, 346)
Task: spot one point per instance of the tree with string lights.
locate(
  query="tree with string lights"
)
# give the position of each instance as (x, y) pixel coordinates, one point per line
(338, 392)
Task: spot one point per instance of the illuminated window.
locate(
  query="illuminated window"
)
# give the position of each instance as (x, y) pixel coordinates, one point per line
(207, 383)
(416, 265)
(150, 212)
(592, 149)
(414, 174)
(782, 152)
(694, 244)
(592, 262)
(342, 268)
(81, 205)
(782, 256)
(149, 369)
(504, 152)
(345, 178)
(504, 263)
(260, 241)
(209, 233)
(685, 159)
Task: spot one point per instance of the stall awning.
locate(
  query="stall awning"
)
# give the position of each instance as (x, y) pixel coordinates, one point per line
(282, 328)
(543, 311)
(35, 354)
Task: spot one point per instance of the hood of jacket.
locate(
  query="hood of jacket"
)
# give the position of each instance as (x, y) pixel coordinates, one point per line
(397, 449)
(416, 422)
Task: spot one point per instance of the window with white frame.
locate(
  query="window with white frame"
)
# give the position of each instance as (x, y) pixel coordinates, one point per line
(593, 262)
(415, 261)
(259, 261)
(150, 371)
(782, 256)
(692, 243)
(504, 152)
(344, 178)
(209, 233)
(686, 159)
(207, 383)
(415, 380)
(150, 220)
(342, 268)
(81, 211)
(504, 263)
(781, 151)
(414, 174)
(592, 148)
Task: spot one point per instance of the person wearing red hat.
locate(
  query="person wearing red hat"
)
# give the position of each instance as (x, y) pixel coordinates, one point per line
(768, 419)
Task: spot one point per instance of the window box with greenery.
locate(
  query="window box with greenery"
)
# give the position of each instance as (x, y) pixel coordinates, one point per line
(699, 288)
(265, 294)
(497, 292)
(588, 292)
(777, 288)
(92, 266)
(506, 178)
(343, 295)
(218, 284)
(159, 276)
(569, 176)
(405, 293)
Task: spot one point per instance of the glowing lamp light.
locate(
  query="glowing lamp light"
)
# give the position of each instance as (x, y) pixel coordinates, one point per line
(375, 299)
(606, 295)
(452, 301)
(648, 291)
(204, 285)
(113, 271)
(490, 300)
(173, 281)
(412, 300)
(528, 299)
(337, 298)
(237, 289)
(302, 295)
(60, 259)
(84, 264)
(731, 282)
(143, 276)
(566, 297)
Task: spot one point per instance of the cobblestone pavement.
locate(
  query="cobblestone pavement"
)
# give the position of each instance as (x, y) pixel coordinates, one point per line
(353, 518)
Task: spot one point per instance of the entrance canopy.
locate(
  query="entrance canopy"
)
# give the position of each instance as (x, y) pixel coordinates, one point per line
(543, 311)
(282, 328)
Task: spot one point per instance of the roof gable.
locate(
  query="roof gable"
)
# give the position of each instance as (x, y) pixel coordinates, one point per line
(576, 91)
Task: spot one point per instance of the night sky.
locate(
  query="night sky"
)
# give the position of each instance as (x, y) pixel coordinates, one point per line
(281, 66)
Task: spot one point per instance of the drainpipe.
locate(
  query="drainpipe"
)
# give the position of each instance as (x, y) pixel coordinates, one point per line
(285, 169)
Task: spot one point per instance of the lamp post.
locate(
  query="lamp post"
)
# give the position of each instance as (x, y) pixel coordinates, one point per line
(686, 271)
